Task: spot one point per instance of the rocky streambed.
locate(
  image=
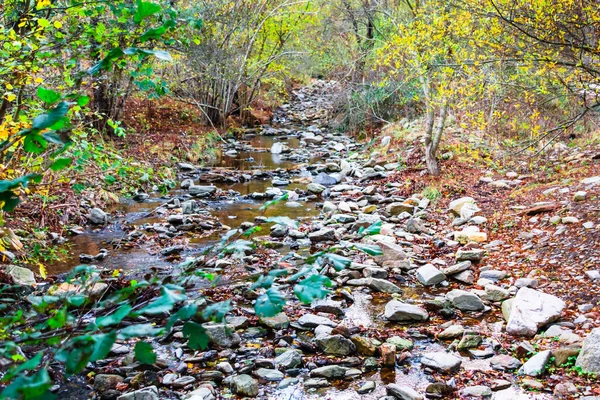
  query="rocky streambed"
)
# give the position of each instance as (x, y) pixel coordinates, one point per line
(426, 318)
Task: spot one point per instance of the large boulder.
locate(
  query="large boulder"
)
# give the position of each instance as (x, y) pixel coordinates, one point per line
(589, 358)
(98, 217)
(398, 311)
(532, 309)
(21, 276)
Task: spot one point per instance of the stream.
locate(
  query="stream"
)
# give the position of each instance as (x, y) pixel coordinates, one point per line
(297, 150)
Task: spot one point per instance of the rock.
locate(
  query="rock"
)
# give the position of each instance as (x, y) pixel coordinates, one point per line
(147, 393)
(500, 384)
(279, 231)
(443, 362)
(98, 217)
(277, 148)
(315, 188)
(379, 285)
(562, 355)
(469, 341)
(364, 345)
(526, 282)
(287, 382)
(267, 374)
(328, 306)
(312, 321)
(429, 275)
(456, 205)
(202, 393)
(476, 391)
(336, 345)
(322, 235)
(402, 392)
(401, 344)
(221, 335)
(316, 383)
(565, 390)
(392, 253)
(244, 385)
(504, 362)
(452, 332)
(464, 300)
(183, 381)
(388, 355)
(324, 179)
(398, 208)
(589, 358)
(536, 365)
(189, 207)
(467, 277)
(398, 311)
(105, 382)
(467, 236)
(457, 268)
(366, 387)
(496, 293)
(531, 310)
(289, 359)
(470, 255)
(329, 372)
(21, 276)
(279, 321)
(201, 191)
(329, 207)
(580, 195)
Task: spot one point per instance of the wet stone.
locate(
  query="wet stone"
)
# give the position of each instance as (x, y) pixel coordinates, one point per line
(403, 392)
(244, 385)
(269, 374)
(329, 372)
(443, 362)
(366, 387)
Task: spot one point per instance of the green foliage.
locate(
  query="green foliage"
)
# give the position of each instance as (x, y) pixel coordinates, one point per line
(312, 288)
(269, 303)
(144, 353)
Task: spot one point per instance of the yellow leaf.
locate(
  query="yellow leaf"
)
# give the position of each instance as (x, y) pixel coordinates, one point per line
(57, 24)
(9, 86)
(43, 272)
(11, 96)
(116, 273)
(39, 80)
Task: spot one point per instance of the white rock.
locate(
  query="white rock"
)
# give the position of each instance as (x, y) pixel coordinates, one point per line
(531, 310)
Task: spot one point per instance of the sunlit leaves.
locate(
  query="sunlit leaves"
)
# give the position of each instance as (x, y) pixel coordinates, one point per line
(114, 318)
(144, 353)
(144, 9)
(269, 303)
(48, 96)
(312, 288)
(170, 296)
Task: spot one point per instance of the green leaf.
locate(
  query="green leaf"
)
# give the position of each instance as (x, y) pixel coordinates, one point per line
(285, 221)
(153, 33)
(165, 302)
(239, 247)
(143, 10)
(48, 96)
(22, 181)
(115, 317)
(274, 201)
(312, 288)
(59, 319)
(339, 262)
(196, 335)
(82, 101)
(103, 343)
(106, 61)
(374, 229)
(184, 313)
(144, 353)
(61, 163)
(269, 303)
(370, 249)
(217, 311)
(140, 330)
(30, 364)
(162, 55)
(45, 121)
(28, 387)
(34, 143)
(76, 300)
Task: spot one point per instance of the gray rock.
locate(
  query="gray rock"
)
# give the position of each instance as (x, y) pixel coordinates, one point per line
(20, 275)
(329, 372)
(536, 365)
(470, 255)
(202, 393)
(222, 335)
(201, 191)
(402, 392)
(464, 300)
(279, 321)
(496, 293)
(452, 332)
(379, 285)
(147, 393)
(366, 387)
(476, 391)
(190, 207)
(322, 235)
(456, 268)
(504, 362)
(531, 310)
(315, 188)
(316, 383)
(277, 148)
(443, 362)
(105, 382)
(336, 345)
(269, 374)
(312, 321)
(398, 311)
(399, 208)
(324, 179)
(98, 217)
(244, 385)
(429, 275)
(287, 382)
(289, 359)
(279, 231)
(392, 253)
(589, 358)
